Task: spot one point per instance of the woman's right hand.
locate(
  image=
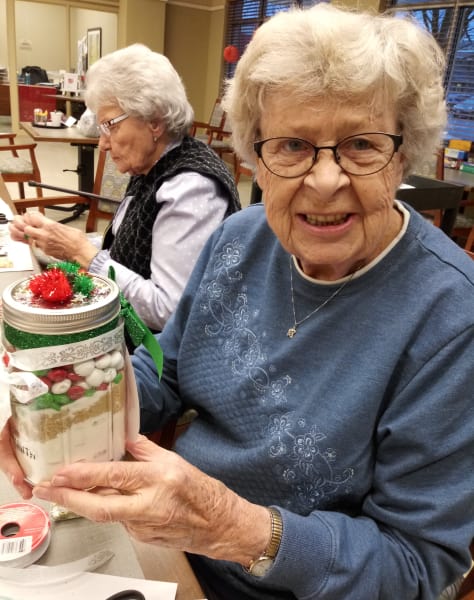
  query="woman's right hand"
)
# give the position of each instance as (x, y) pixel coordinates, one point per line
(17, 229)
(10, 465)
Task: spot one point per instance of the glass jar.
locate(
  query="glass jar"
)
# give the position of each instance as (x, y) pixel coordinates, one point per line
(65, 363)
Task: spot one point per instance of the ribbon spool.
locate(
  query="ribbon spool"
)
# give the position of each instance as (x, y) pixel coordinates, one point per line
(25, 533)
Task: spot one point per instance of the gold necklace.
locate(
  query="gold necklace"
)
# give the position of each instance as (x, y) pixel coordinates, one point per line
(292, 330)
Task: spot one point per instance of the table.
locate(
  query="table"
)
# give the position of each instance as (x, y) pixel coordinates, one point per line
(462, 178)
(69, 135)
(427, 194)
(68, 100)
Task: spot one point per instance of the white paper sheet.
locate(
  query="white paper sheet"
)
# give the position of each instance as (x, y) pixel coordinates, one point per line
(93, 586)
(18, 255)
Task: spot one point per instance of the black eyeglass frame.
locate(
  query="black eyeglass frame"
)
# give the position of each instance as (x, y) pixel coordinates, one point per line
(397, 140)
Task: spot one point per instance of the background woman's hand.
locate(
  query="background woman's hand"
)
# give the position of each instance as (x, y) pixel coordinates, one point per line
(53, 238)
(10, 465)
(165, 500)
(17, 229)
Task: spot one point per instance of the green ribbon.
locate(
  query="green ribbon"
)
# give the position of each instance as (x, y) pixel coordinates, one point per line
(22, 340)
(138, 331)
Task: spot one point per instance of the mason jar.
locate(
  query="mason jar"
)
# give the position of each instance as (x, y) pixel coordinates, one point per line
(65, 362)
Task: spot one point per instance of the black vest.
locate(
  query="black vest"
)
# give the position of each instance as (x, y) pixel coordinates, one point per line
(132, 244)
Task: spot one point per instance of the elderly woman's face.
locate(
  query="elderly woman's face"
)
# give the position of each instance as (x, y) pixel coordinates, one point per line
(331, 221)
(130, 143)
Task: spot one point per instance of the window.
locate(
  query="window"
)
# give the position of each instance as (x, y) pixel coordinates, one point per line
(243, 18)
(450, 21)
(452, 24)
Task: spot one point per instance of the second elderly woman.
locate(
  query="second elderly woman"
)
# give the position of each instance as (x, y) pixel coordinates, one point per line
(180, 190)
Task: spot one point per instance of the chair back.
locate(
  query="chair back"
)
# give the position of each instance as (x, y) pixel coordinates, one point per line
(5, 196)
(18, 164)
(112, 184)
(217, 117)
(109, 183)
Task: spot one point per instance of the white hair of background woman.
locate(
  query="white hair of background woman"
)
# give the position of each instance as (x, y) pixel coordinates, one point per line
(143, 84)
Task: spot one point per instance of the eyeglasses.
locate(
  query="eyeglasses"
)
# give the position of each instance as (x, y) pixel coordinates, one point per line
(106, 125)
(361, 154)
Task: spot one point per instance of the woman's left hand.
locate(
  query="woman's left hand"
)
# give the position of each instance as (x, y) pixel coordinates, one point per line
(160, 498)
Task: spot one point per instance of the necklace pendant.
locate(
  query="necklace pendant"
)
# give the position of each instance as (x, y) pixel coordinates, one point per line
(291, 332)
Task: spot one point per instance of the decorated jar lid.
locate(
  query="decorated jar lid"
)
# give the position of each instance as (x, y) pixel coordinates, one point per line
(63, 300)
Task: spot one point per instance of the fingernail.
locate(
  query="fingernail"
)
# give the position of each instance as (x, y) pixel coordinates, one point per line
(40, 492)
(59, 481)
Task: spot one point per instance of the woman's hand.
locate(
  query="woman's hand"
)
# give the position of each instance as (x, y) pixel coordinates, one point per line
(165, 500)
(10, 465)
(17, 229)
(53, 238)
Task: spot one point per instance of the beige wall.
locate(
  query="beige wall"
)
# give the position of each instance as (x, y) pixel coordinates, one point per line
(142, 21)
(62, 24)
(193, 43)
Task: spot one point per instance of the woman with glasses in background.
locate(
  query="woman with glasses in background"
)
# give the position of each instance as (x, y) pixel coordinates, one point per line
(325, 338)
(179, 190)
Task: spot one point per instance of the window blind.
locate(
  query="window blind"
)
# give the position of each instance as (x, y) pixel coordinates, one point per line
(452, 24)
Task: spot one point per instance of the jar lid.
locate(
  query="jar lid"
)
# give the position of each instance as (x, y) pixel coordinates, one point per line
(26, 312)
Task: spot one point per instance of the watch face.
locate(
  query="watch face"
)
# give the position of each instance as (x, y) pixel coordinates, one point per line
(261, 566)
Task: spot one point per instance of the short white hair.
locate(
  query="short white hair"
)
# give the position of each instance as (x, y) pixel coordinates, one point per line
(328, 52)
(143, 84)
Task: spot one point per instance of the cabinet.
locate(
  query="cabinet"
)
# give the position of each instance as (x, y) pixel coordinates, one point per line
(30, 97)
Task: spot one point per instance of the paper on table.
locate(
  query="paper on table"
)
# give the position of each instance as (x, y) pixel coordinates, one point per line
(18, 257)
(93, 586)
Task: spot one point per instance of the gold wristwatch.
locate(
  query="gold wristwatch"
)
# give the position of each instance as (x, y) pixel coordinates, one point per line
(260, 566)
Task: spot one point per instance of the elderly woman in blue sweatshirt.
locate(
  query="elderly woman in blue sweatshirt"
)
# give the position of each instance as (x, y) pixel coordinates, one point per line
(325, 338)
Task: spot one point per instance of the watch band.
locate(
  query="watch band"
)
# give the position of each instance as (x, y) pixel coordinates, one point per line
(274, 543)
(277, 532)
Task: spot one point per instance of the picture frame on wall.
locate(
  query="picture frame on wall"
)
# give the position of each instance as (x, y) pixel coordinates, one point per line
(94, 45)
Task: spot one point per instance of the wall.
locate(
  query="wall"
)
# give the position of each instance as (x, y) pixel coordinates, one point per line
(142, 21)
(81, 20)
(193, 44)
(62, 23)
(30, 39)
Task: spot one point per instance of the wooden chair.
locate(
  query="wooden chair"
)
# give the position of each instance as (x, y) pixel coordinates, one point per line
(203, 131)
(108, 192)
(242, 168)
(18, 164)
(111, 185)
(216, 132)
(5, 196)
(166, 437)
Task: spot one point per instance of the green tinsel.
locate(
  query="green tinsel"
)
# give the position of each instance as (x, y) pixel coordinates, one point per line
(69, 268)
(80, 281)
(83, 284)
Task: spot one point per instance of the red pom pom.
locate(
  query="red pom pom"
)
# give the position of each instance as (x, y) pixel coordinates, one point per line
(52, 286)
(231, 54)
